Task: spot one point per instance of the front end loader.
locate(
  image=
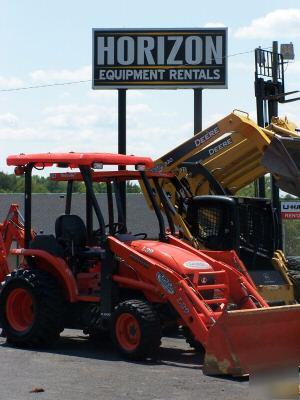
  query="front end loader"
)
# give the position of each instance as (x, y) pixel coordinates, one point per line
(97, 276)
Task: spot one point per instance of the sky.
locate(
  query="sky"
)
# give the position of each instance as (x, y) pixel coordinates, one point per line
(45, 42)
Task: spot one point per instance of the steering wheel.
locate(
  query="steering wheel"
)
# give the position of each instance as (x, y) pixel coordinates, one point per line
(142, 234)
(117, 227)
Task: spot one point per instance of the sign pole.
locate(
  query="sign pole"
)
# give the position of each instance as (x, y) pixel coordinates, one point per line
(122, 145)
(197, 110)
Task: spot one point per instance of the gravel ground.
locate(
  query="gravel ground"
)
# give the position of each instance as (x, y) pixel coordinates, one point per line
(75, 370)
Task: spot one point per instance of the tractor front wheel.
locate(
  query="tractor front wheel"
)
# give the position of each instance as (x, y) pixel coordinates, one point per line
(136, 329)
(31, 308)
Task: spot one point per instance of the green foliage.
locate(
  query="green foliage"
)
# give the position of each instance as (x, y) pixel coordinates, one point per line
(249, 190)
(132, 188)
(292, 237)
(10, 183)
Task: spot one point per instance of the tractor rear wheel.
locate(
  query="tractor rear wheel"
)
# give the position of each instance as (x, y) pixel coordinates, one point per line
(31, 308)
(136, 329)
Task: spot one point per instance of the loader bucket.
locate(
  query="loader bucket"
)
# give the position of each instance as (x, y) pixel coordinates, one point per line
(243, 342)
(282, 159)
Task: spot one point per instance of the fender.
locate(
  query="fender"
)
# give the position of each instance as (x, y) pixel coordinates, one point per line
(55, 266)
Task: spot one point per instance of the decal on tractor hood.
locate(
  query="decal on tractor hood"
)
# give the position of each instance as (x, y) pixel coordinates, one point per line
(197, 264)
(147, 250)
(165, 283)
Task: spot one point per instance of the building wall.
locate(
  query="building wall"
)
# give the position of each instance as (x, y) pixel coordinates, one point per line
(47, 207)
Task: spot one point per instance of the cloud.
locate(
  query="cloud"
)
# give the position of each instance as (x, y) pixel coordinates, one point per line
(293, 68)
(63, 75)
(10, 82)
(79, 116)
(104, 95)
(8, 119)
(291, 111)
(281, 23)
(17, 134)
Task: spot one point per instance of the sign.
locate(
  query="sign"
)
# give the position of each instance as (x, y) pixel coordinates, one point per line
(290, 209)
(155, 58)
(287, 51)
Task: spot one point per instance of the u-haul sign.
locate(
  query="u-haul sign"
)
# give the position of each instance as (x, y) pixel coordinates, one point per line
(290, 209)
(169, 58)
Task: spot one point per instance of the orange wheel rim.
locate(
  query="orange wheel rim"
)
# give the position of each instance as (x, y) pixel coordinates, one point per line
(128, 332)
(20, 310)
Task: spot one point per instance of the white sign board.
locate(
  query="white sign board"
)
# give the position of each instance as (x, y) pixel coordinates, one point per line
(290, 209)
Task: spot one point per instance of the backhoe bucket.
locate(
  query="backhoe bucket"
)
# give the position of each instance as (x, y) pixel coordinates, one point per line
(249, 341)
(282, 158)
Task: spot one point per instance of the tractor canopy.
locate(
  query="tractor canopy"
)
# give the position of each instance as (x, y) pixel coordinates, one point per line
(74, 160)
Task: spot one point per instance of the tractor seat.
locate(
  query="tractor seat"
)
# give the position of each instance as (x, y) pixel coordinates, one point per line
(71, 234)
(47, 243)
(70, 230)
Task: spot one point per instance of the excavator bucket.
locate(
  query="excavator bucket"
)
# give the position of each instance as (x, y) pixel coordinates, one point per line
(282, 159)
(245, 342)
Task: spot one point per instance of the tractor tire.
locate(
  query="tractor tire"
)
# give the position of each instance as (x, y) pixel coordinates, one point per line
(190, 339)
(136, 329)
(293, 264)
(31, 308)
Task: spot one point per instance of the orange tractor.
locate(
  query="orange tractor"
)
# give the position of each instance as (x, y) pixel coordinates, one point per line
(102, 279)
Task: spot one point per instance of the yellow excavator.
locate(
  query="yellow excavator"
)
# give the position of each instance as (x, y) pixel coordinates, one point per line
(205, 173)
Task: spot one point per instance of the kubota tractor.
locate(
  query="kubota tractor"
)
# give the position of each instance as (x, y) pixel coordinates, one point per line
(100, 278)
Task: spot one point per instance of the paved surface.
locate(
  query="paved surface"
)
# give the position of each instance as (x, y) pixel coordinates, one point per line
(75, 370)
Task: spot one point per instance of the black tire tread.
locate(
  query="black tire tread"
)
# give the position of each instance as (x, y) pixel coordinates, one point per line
(50, 303)
(149, 324)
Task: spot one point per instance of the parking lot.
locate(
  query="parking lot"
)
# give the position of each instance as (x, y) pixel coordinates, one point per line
(76, 369)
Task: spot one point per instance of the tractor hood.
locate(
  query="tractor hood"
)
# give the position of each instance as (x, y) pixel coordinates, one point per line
(178, 259)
